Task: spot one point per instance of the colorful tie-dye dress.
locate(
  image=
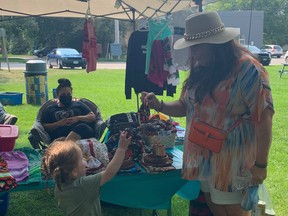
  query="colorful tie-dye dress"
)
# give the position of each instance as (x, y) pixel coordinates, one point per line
(244, 95)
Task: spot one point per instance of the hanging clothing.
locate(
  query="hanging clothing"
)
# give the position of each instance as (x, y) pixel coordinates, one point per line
(135, 68)
(168, 59)
(157, 74)
(89, 46)
(158, 30)
(162, 68)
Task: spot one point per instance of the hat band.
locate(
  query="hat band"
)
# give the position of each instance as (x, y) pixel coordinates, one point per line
(204, 34)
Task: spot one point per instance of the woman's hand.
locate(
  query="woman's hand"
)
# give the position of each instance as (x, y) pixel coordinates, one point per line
(72, 120)
(68, 121)
(150, 100)
(258, 175)
(175, 108)
(63, 122)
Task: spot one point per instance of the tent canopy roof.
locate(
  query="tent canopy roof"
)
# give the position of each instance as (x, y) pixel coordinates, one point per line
(116, 9)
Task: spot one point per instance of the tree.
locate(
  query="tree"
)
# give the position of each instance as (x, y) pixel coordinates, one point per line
(275, 16)
(60, 32)
(25, 34)
(105, 31)
(20, 34)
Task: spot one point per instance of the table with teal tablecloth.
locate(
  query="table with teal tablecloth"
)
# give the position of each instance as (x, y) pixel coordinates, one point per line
(139, 190)
(146, 190)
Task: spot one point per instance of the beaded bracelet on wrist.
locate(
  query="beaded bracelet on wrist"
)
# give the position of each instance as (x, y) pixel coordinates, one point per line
(161, 106)
(261, 166)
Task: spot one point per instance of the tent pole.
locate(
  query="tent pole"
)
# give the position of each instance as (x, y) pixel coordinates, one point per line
(134, 29)
(133, 19)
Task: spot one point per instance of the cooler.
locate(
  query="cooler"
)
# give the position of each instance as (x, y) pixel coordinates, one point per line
(8, 136)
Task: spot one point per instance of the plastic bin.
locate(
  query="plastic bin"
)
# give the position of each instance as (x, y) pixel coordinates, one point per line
(36, 82)
(11, 98)
(54, 93)
(4, 203)
(8, 136)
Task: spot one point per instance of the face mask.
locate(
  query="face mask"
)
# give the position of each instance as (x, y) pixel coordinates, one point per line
(65, 100)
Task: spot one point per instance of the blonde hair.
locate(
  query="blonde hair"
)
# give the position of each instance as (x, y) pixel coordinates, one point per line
(59, 160)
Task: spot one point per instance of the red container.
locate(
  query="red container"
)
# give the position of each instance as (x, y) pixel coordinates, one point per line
(8, 136)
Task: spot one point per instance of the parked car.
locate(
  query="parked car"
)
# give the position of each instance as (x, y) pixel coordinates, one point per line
(274, 50)
(65, 57)
(263, 57)
(42, 52)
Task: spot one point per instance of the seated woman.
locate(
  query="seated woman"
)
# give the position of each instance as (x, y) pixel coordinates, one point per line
(67, 118)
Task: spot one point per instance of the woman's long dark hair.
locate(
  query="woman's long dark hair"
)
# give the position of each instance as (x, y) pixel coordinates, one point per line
(205, 79)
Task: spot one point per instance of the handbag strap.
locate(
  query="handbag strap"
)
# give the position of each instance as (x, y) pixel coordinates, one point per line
(236, 124)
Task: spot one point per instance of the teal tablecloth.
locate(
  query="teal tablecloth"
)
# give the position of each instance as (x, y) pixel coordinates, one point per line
(145, 190)
(141, 190)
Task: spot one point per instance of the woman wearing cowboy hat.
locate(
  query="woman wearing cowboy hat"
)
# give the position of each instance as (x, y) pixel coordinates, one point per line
(228, 91)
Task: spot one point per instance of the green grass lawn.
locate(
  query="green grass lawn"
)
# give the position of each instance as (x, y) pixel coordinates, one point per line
(106, 89)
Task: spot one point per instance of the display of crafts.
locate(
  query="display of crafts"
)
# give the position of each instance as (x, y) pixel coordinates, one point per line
(158, 157)
(157, 126)
(157, 130)
(149, 139)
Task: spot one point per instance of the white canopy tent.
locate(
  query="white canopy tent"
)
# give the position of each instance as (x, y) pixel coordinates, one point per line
(116, 9)
(131, 10)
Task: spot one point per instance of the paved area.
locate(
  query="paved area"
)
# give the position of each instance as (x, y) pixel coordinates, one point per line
(107, 65)
(100, 65)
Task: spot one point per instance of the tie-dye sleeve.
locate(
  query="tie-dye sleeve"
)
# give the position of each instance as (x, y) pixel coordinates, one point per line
(255, 89)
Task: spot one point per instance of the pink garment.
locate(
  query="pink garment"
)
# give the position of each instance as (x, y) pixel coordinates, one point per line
(17, 164)
(89, 47)
(156, 73)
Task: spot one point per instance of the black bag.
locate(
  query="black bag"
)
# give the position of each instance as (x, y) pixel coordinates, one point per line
(122, 121)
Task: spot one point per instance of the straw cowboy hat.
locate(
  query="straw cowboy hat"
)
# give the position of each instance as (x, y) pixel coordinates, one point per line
(205, 27)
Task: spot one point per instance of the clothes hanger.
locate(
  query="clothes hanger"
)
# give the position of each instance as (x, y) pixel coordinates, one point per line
(143, 25)
(159, 20)
(88, 15)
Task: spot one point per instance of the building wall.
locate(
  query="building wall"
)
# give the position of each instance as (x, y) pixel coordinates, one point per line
(236, 19)
(242, 19)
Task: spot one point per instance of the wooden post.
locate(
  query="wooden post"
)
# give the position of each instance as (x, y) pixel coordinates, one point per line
(5, 54)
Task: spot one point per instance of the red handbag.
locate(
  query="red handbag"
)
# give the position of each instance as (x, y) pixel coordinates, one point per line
(208, 136)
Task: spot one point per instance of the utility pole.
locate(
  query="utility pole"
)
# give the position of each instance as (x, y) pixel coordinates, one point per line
(117, 35)
(200, 6)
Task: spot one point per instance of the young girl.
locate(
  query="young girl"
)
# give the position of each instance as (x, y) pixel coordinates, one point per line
(76, 193)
